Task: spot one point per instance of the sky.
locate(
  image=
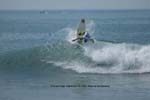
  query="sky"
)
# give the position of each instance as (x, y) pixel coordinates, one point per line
(73, 4)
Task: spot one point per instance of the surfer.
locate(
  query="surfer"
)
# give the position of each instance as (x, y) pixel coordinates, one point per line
(82, 35)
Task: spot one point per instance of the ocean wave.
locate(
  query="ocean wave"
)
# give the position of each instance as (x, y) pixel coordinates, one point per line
(102, 57)
(111, 58)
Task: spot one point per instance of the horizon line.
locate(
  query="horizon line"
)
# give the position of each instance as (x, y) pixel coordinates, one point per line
(71, 9)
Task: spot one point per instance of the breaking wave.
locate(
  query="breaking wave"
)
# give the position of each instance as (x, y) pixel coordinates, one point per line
(100, 57)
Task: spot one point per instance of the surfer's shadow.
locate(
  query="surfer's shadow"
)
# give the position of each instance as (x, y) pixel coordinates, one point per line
(104, 65)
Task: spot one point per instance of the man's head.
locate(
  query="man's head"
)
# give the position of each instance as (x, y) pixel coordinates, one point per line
(83, 20)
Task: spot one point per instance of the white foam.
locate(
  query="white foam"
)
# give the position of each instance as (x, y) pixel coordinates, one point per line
(71, 35)
(122, 58)
(125, 60)
(90, 26)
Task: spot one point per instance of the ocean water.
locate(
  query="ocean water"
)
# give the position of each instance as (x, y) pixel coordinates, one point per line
(36, 52)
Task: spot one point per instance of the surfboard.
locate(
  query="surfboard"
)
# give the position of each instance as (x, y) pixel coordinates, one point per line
(81, 28)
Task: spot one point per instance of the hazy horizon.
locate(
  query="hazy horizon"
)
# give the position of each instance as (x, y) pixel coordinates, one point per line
(74, 4)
